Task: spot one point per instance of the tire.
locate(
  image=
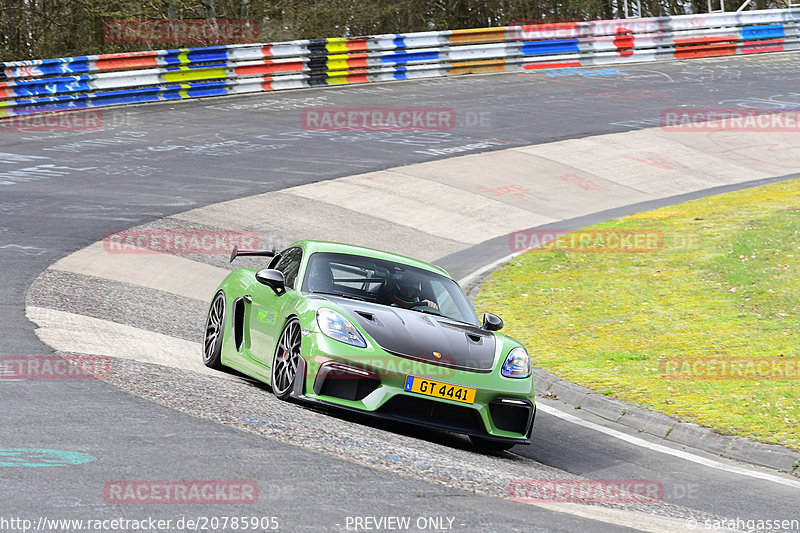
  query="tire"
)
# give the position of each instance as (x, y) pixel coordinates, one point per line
(490, 445)
(215, 329)
(286, 360)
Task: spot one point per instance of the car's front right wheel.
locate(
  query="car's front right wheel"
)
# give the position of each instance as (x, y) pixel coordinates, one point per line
(286, 360)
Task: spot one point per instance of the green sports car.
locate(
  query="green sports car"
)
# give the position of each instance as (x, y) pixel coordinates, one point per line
(374, 332)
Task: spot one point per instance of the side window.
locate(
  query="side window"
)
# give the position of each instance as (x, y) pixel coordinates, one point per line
(289, 264)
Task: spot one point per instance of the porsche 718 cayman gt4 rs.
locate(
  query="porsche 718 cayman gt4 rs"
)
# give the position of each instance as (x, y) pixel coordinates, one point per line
(373, 332)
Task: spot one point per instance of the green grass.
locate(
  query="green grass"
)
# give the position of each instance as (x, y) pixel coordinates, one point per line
(725, 285)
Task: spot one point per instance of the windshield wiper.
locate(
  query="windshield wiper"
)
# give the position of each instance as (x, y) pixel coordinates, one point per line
(436, 313)
(340, 295)
(430, 312)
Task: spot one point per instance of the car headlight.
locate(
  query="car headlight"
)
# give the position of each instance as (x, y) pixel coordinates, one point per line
(517, 364)
(337, 327)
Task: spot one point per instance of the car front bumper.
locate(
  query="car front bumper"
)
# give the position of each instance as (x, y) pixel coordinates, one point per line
(372, 382)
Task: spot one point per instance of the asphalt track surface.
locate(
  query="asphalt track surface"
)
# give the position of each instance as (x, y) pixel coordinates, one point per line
(153, 161)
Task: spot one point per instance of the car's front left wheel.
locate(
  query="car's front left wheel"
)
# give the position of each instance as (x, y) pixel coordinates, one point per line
(287, 360)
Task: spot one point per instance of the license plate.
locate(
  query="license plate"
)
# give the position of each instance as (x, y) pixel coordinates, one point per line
(437, 389)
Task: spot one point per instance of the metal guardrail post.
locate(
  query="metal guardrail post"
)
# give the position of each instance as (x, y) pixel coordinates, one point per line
(638, 9)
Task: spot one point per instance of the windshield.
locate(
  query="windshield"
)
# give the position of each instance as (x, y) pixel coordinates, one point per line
(387, 283)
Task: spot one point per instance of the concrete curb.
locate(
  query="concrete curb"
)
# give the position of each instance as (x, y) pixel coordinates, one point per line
(660, 425)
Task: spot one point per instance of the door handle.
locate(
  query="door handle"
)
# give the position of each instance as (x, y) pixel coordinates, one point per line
(247, 298)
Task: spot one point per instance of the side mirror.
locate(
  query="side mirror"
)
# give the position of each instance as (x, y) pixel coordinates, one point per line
(273, 279)
(492, 322)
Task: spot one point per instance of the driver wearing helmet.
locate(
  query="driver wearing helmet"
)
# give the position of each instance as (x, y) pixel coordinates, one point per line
(407, 294)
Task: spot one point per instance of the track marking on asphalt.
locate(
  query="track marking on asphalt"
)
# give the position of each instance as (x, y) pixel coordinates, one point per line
(160, 271)
(75, 333)
(636, 441)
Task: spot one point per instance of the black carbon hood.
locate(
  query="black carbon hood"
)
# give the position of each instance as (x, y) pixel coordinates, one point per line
(424, 337)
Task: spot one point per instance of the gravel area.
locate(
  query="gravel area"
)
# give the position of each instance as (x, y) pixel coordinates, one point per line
(438, 457)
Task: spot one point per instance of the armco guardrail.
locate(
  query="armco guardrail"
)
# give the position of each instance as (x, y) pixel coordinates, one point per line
(91, 81)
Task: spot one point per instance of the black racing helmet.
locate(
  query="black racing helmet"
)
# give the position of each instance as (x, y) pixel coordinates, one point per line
(406, 291)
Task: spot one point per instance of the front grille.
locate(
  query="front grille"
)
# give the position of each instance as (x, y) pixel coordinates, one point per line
(433, 413)
(512, 417)
(340, 382)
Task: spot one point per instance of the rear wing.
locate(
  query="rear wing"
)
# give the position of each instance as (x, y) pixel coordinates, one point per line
(263, 253)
